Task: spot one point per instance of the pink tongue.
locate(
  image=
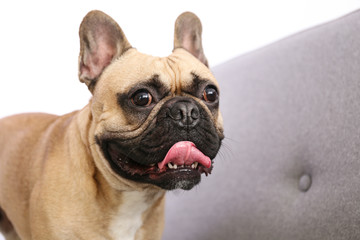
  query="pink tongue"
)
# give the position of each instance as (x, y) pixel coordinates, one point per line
(185, 153)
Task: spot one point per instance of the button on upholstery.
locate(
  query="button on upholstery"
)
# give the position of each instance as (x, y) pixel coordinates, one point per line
(305, 182)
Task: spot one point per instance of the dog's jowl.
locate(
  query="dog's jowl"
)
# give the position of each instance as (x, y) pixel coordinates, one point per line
(153, 124)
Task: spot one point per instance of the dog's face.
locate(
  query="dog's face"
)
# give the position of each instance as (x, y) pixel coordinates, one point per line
(155, 120)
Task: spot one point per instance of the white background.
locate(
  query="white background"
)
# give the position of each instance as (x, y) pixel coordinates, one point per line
(39, 42)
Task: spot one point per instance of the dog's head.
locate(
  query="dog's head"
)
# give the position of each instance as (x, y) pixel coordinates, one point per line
(154, 120)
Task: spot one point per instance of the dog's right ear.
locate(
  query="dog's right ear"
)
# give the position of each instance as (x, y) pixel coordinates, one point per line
(101, 41)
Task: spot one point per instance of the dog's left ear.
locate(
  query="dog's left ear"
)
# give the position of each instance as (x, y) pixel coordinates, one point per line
(101, 41)
(187, 35)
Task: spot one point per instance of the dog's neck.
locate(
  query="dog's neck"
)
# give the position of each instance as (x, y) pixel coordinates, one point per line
(128, 210)
(130, 216)
(127, 207)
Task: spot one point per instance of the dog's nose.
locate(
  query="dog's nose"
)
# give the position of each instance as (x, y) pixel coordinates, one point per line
(185, 113)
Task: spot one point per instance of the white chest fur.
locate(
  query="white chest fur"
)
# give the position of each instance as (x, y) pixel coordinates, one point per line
(129, 216)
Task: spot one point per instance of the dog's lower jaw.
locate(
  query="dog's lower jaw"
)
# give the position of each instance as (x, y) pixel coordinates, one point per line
(184, 176)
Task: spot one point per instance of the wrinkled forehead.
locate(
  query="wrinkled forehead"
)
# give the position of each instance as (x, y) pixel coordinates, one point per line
(179, 72)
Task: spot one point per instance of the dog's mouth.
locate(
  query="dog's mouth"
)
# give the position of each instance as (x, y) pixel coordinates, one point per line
(180, 168)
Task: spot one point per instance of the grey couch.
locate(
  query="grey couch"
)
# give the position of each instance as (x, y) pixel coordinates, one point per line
(289, 168)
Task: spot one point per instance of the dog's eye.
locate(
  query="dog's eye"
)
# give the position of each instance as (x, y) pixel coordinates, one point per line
(210, 94)
(141, 98)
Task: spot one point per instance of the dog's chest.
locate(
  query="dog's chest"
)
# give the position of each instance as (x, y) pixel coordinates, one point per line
(129, 216)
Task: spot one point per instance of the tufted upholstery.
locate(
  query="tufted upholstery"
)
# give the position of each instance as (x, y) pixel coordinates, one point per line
(289, 168)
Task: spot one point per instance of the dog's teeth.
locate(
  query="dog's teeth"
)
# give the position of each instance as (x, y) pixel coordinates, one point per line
(181, 165)
(153, 164)
(172, 165)
(194, 165)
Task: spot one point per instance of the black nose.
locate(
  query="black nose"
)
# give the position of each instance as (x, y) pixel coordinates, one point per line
(185, 113)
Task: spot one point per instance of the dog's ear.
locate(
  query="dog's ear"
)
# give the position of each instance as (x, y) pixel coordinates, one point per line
(101, 41)
(187, 35)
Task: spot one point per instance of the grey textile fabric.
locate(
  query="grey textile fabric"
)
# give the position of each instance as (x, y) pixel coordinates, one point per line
(289, 167)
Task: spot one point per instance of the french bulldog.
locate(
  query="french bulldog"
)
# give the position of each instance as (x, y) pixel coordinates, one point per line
(153, 124)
